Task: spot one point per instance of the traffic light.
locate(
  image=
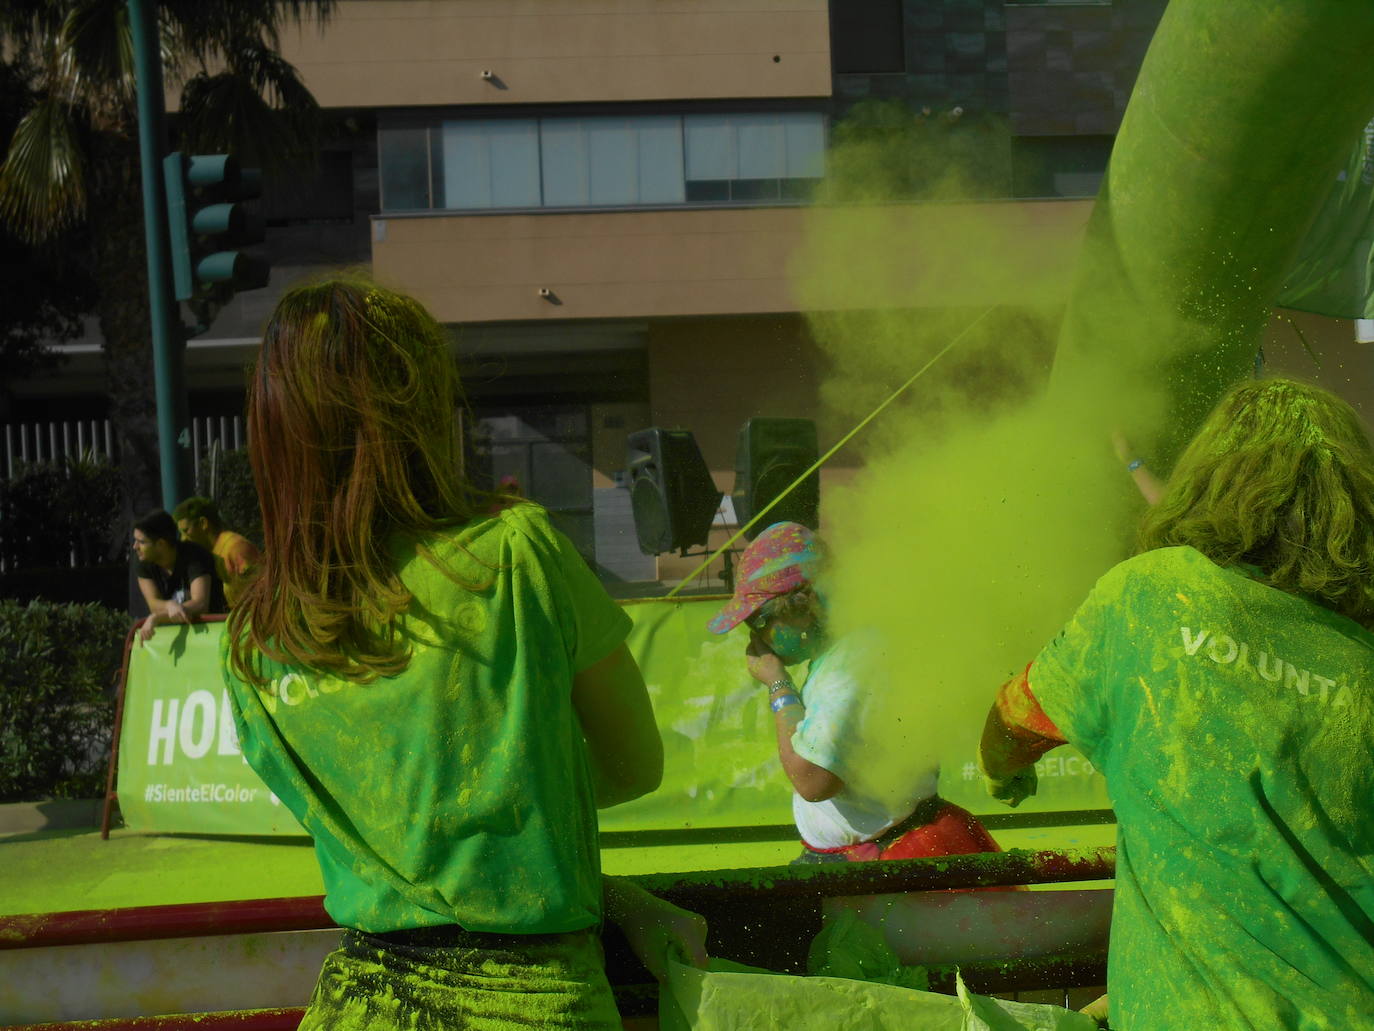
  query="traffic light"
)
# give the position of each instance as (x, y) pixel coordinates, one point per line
(772, 453)
(672, 496)
(208, 222)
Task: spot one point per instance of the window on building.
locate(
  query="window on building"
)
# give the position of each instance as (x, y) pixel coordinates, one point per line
(403, 163)
(611, 161)
(490, 164)
(751, 157)
(602, 161)
(866, 36)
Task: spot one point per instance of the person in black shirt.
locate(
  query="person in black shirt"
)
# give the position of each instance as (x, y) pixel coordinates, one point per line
(177, 578)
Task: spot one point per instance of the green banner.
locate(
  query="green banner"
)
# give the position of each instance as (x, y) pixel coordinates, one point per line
(181, 771)
(1332, 274)
(180, 768)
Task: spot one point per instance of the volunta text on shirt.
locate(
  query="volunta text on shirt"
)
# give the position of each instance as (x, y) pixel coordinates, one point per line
(1224, 650)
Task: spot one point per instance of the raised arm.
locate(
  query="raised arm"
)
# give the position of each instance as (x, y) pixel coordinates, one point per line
(1150, 486)
(814, 783)
(618, 722)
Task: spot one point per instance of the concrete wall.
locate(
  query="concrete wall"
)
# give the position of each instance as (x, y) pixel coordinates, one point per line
(401, 53)
(631, 264)
(692, 262)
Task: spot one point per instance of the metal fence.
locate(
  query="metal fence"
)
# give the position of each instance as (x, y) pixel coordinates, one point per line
(55, 441)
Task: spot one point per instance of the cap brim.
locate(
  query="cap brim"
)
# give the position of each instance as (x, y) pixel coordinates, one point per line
(735, 612)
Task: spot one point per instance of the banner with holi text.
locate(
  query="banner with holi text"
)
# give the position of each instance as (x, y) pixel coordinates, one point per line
(181, 771)
(180, 768)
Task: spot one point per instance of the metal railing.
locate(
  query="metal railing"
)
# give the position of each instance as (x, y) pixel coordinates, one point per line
(54, 442)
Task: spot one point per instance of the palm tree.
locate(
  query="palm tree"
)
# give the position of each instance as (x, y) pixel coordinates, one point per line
(74, 155)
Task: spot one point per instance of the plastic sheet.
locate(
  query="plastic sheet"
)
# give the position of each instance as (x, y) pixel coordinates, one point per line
(731, 997)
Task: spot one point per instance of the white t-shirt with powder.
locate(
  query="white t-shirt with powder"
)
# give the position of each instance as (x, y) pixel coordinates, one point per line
(833, 736)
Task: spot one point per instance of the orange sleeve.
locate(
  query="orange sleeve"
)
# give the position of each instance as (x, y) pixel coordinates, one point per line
(1021, 713)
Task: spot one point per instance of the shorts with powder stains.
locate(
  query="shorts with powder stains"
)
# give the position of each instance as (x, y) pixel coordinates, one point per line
(507, 981)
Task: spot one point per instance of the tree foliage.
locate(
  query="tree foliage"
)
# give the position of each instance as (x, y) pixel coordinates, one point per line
(44, 290)
(57, 670)
(52, 511)
(73, 157)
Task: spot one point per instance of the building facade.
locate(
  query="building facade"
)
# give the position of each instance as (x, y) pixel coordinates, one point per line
(604, 198)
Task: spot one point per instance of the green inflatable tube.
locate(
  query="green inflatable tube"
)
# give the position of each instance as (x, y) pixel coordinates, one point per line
(1243, 113)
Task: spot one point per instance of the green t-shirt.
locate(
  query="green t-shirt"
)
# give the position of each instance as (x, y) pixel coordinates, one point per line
(1234, 724)
(458, 790)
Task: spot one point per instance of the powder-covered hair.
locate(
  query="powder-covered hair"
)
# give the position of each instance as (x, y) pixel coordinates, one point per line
(1281, 477)
(353, 438)
(199, 508)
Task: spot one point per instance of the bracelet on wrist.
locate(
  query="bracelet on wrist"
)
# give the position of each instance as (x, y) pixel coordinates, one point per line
(781, 684)
(782, 701)
(1134, 464)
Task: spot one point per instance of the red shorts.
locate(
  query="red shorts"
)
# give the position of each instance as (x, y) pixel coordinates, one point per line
(947, 830)
(950, 831)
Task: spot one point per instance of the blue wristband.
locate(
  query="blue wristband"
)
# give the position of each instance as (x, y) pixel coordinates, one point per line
(1134, 464)
(782, 701)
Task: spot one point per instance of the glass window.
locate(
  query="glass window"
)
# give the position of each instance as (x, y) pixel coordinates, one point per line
(561, 474)
(491, 164)
(755, 189)
(660, 161)
(602, 161)
(622, 161)
(563, 153)
(710, 141)
(705, 190)
(613, 160)
(403, 162)
(804, 135)
(750, 157)
(762, 153)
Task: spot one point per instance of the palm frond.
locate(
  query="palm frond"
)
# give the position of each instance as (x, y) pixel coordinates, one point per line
(257, 108)
(204, 30)
(43, 181)
(22, 22)
(97, 44)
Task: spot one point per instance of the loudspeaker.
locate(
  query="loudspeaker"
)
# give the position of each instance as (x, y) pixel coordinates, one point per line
(671, 493)
(771, 454)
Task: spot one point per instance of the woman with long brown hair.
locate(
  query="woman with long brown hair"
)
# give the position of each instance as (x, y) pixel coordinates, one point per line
(1221, 681)
(436, 686)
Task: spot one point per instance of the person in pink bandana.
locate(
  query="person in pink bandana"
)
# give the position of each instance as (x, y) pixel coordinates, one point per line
(841, 815)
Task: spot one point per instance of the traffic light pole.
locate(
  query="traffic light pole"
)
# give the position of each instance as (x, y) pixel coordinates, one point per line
(168, 343)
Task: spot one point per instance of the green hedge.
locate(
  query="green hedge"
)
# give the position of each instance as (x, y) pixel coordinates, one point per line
(58, 665)
(235, 491)
(50, 511)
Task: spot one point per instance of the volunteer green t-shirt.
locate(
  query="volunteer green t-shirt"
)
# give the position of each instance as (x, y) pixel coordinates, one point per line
(1234, 724)
(458, 791)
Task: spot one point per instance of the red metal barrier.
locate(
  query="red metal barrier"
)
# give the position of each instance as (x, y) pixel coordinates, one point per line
(145, 923)
(243, 1020)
